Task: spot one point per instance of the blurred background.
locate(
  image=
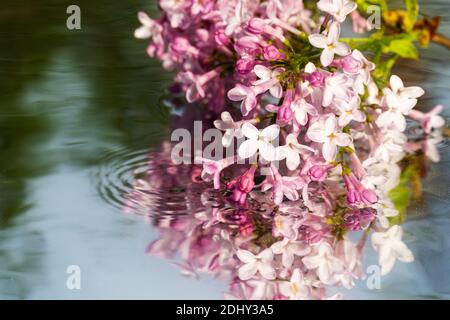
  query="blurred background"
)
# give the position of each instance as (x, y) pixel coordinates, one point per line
(79, 111)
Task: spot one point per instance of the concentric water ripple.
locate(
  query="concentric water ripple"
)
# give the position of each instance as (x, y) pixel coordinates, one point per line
(145, 182)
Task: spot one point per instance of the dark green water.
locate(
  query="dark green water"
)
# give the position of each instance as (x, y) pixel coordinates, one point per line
(80, 109)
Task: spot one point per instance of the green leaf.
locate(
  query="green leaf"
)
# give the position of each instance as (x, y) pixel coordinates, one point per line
(412, 8)
(401, 197)
(383, 69)
(364, 4)
(403, 48)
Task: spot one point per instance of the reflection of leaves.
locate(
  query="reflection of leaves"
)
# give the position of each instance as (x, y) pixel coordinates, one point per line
(401, 197)
(408, 187)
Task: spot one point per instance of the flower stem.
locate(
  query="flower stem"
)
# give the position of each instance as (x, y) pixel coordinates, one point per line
(441, 39)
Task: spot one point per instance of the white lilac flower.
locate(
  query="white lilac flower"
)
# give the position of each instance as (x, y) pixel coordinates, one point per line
(324, 262)
(366, 68)
(339, 9)
(231, 128)
(259, 141)
(261, 263)
(330, 44)
(295, 288)
(385, 209)
(350, 111)
(175, 10)
(285, 226)
(390, 148)
(288, 249)
(291, 151)
(335, 88)
(301, 110)
(398, 88)
(326, 131)
(265, 74)
(390, 247)
(399, 101)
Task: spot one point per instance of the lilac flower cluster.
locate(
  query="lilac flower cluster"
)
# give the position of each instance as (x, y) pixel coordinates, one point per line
(342, 137)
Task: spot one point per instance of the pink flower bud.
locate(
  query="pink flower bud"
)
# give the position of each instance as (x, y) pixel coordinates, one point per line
(272, 53)
(246, 229)
(316, 79)
(310, 235)
(284, 114)
(366, 216)
(353, 196)
(318, 173)
(221, 38)
(351, 221)
(256, 26)
(244, 66)
(246, 183)
(180, 45)
(239, 196)
(369, 196)
(247, 45)
(350, 65)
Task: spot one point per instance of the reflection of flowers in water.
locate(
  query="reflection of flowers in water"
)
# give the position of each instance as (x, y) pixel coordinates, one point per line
(264, 250)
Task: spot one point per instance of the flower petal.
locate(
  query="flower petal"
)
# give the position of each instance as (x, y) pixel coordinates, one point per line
(142, 33)
(330, 125)
(266, 255)
(329, 150)
(250, 131)
(318, 40)
(262, 72)
(276, 90)
(342, 49)
(396, 83)
(227, 138)
(247, 149)
(334, 32)
(267, 271)
(292, 159)
(271, 132)
(245, 256)
(248, 270)
(238, 93)
(316, 132)
(267, 150)
(343, 139)
(327, 56)
(287, 259)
